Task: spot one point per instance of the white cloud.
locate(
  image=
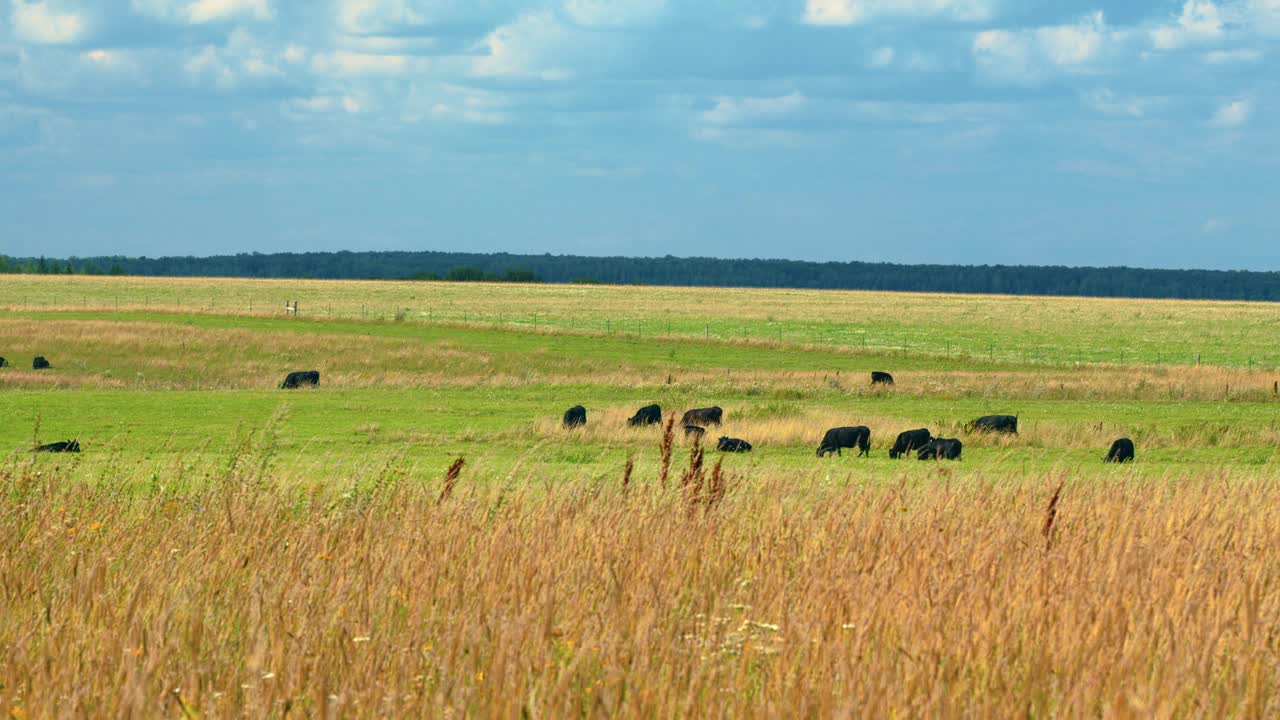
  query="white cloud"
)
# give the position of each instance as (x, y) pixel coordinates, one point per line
(1233, 114)
(1108, 102)
(1214, 226)
(105, 58)
(881, 57)
(346, 63)
(735, 111)
(39, 22)
(523, 48)
(854, 12)
(614, 13)
(198, 12)
(295, 54)
(1265, 15)
(1226, 57)
(456, 103)
(1028, 56)
(208, 63)
(203, 11)
(361, 17)
(1200, 20)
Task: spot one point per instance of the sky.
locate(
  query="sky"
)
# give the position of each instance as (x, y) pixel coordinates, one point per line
(1076, 132)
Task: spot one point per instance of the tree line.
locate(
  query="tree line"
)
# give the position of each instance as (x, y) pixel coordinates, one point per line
(686, 271)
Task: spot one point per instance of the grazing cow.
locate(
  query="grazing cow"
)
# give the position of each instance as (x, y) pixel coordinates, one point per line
(940, 449)
(575, 416)
(881, 378)
(70, 446)
(734, 445)
(695, 432)
(703, 416)
(846, 437)
(1121, 451)
(40, 363)
(647, 415)
(910, 441)
(997, 423)
(300, 378)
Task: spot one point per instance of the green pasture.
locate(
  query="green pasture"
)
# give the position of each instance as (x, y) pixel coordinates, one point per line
(973, 328)
(153, 391)
(510, 432)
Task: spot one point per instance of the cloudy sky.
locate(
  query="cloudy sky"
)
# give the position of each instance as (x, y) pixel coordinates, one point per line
(1095, 132)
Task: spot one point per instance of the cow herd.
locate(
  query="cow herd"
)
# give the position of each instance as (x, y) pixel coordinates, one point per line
(921, 442)
(696, 421)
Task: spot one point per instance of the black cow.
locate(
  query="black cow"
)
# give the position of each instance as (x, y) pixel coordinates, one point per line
(695, 432)
(881, 378)
(3, 362)
(734, 445)
(647, 415)
(575, 416)
(703, 416)
(300, 378)
(997, 423)
(40, 363)
(910, 441)
(940, 449)
(1121, 451)
(846, 437)
(70, 446)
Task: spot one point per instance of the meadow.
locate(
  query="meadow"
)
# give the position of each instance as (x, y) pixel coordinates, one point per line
(223, 547)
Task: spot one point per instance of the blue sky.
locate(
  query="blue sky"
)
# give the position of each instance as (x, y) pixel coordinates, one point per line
(978, 131)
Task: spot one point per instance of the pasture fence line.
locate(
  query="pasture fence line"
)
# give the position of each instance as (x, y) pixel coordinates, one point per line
(851, 338)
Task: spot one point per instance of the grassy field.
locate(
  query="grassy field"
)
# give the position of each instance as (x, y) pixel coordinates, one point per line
(223, 547)
(906, 326)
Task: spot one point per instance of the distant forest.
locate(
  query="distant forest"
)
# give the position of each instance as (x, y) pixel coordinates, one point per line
(503, 267)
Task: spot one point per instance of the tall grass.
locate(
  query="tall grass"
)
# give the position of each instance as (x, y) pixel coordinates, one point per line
(768, 596)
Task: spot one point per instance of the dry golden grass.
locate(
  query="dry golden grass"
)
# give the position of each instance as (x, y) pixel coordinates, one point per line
(787, 597)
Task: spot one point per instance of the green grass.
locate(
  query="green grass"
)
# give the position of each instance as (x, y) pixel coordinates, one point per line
(980, 328)
(147, 386)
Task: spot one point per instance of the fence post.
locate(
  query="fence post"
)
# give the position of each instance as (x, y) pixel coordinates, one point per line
(707, 331)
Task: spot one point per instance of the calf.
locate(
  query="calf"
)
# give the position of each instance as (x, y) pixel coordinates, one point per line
(703, 416)
(300, 378)
(734, 445)
(647, 415)
(694, 432)
(70, 446)
(40, 363)
(575, 416)
(846, 437)
(909, 441)
(1121, 451)
(881, 378)
(940, 449)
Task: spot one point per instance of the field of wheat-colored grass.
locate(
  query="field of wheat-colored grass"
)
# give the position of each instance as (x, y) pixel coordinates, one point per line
(723, 596)
(224, 548)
